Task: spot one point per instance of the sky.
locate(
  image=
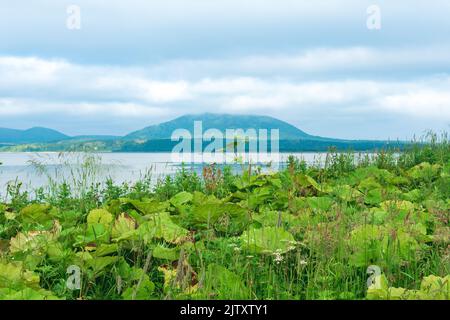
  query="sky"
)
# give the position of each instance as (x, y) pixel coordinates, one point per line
(314, 64)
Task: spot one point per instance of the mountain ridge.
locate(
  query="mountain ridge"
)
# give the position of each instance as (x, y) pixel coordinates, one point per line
(157, 137)
(220, 121)
(31, 135)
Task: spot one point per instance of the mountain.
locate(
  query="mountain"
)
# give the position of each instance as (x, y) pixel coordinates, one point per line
(157, 138)
(221, 122)
(33, 135)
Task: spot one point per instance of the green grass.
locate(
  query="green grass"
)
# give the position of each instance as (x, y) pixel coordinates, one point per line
(305, 232)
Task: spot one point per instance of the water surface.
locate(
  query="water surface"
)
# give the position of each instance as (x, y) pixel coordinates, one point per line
(34, 169)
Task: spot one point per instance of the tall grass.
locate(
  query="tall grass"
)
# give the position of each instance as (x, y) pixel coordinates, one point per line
(317, 267)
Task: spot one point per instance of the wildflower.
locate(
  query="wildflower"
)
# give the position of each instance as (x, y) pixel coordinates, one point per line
(278, 257)
(303, 262)
(237, 249)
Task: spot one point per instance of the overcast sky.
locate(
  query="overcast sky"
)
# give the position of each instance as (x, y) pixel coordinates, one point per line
(314, 64)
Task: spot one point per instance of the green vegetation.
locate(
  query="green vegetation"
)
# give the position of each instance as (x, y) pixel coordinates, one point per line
(306, 232)
(167, 145)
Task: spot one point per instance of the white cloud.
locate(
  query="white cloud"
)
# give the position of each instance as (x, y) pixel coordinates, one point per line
(346, 61)
(35, 87)
(29, 70)
(21, 107)
(423, 103)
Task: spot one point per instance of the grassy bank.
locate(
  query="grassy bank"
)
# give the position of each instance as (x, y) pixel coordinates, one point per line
(306, 232)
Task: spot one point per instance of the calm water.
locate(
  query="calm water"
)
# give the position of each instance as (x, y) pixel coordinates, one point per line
(35, 169)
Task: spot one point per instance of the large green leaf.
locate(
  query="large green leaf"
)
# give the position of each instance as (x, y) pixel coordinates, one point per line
(161, 226)
(140, 291)
(100, 216)
(431, 288)
(26, 294)
(267, 240)
(165, 253)
(220, 283)
(319, 203)
(146, 206)
(123, 225)
(381, 245)
(13, 275)
(36, 213)
(424, 171)
(181, 198)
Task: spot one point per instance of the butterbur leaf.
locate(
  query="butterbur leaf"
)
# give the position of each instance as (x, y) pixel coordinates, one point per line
(424, 171)
(267, 240)
(402, 206)
(233, 220)
(436, 287)
(100, 216)
(319, 203)
(10, 215)
(56, 252)
(32, 240)
(98, 264)
(95, 233)
(223, 284)
(123, 225)
(206, 214)
(368, 184)
(105, 249)
(161, 252)
(307, 181)
(258, 197)
(142, 291)
(27, 294)
(181, 198)
(346, 193)
(373, 197)
(13, 275)
(431, 288)
(372, 244)
(37, 214)
(378, 216)
(365, 245)
(149, 206)
(161, 226)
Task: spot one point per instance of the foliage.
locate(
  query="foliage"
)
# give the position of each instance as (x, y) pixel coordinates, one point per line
(304, 232)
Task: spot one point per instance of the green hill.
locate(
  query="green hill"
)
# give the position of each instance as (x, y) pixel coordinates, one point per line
(157, 138)
(33, 135)
(221, 122)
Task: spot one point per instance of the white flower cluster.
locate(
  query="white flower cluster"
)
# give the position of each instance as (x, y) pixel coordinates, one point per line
(278, 257)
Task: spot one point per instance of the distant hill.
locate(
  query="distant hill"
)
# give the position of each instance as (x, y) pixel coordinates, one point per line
(157, 138)
(45, 135)
(221, 122)
(33, 135)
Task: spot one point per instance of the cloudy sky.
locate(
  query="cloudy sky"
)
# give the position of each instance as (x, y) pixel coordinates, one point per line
(314, 64)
